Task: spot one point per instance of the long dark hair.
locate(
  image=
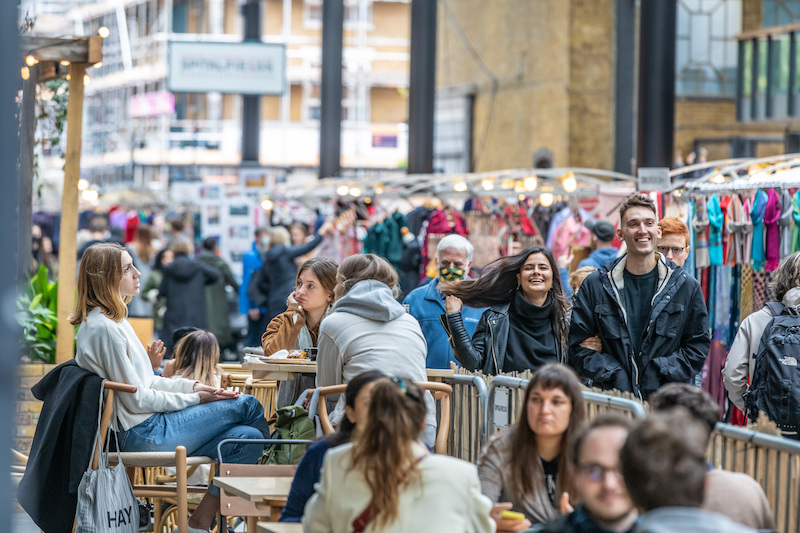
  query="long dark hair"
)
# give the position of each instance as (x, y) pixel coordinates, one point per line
(344, 432)
(383, 451)
(524, 458)
(497, 284)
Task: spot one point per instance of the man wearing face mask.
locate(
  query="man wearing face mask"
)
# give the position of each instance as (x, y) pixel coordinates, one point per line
(256, 312)
(426, 303)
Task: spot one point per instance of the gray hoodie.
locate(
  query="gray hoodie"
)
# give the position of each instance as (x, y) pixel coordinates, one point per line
(687, 520)
(369, 330)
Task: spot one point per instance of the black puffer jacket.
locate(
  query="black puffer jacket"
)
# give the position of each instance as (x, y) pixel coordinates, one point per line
(676, 340)
(486, 350)
(278, 274)
(183, 287)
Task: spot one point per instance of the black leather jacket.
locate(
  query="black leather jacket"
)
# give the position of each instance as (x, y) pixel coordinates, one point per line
(486, 350)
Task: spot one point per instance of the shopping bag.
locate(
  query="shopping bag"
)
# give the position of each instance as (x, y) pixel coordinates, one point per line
(105, 496)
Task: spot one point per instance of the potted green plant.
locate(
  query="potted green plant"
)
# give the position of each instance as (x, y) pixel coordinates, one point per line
(37, 314)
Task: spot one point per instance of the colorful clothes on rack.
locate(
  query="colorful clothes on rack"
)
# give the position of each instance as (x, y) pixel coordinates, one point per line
(716, 220)
(759, 289)
(757, 216)
(741, 228)
(796, 227)
(786, 223)
(700, 226)
(746, 296)
(727, 238)
(772, 237)
(769, 289)
(688, 265)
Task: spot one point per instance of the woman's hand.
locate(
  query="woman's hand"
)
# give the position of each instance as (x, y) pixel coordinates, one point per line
(327, 228)
(453, 304)
(506, 524)
(593, 343)
(566, 508)
(155, 352)
(213, 394)
(291, 303)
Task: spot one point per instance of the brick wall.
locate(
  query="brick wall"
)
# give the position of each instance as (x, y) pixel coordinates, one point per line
(27, 408)
(704, 118)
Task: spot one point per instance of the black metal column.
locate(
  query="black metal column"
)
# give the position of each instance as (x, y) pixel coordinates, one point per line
(251, 104)
(656, 120)
(624, 85)
(330, 120)
(422, 86)
(10, 221)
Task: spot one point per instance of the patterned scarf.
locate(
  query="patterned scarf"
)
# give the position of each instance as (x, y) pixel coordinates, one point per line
(716, 219)
(757, 216)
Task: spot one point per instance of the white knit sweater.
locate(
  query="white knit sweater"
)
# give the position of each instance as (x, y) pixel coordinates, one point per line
(113, 351)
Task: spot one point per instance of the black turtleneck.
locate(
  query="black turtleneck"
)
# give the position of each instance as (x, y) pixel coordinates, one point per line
(531, 338)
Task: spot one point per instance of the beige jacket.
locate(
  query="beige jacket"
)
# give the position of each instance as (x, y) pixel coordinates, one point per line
(741, 359)
(445, 498)
(739, 497)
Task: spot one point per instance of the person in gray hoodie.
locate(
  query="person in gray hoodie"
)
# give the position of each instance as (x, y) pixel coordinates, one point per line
(369, 330)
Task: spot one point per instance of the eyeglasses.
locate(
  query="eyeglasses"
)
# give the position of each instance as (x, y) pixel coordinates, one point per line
(665, 250)
(597, 473)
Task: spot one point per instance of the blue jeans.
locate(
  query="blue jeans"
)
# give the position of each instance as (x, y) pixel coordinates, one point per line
(200, 428)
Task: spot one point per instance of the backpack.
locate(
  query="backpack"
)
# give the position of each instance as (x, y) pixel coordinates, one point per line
(775, 388)
(292, 423)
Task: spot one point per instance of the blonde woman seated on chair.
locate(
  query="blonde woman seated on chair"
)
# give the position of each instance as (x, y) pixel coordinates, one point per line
(163, 413)
(196, 359)
(386, 479)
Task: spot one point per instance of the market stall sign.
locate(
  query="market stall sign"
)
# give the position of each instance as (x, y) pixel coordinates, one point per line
(654, 179)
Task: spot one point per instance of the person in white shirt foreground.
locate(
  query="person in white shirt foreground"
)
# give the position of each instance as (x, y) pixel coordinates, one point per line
(386, 480)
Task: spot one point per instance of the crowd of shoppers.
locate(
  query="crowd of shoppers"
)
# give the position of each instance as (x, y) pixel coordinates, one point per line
(636, 323)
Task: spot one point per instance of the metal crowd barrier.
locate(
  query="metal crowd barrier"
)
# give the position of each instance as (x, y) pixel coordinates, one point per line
(469, 406)
(595, 403)
(771, 460)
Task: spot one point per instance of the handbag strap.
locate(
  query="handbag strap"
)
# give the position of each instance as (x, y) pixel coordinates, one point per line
(362, 521)
(97, 434)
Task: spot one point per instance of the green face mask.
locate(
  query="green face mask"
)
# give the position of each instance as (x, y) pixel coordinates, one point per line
(451, 273)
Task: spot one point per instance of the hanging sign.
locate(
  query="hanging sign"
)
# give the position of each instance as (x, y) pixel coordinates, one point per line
(654, 179)
(500, 408)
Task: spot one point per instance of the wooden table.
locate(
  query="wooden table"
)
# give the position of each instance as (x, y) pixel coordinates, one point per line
(286, 371)
(267, 493)
(280, 527)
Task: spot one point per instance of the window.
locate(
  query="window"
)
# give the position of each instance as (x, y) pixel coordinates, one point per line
(312, 13)
(706, 51)
(780, 12)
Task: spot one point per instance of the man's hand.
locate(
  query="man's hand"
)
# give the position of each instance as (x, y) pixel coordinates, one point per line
(453, 304)
(213, 394)
(593, 343)
(506, 524)
(254, 314)
(155, 352)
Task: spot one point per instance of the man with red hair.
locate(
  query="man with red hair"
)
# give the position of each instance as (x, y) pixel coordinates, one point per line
(674, 241)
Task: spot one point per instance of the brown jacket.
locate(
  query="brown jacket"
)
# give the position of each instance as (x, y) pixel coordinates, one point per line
(283, 330)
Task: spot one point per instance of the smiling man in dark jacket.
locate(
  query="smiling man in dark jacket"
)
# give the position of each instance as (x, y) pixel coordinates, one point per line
(649, 314)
